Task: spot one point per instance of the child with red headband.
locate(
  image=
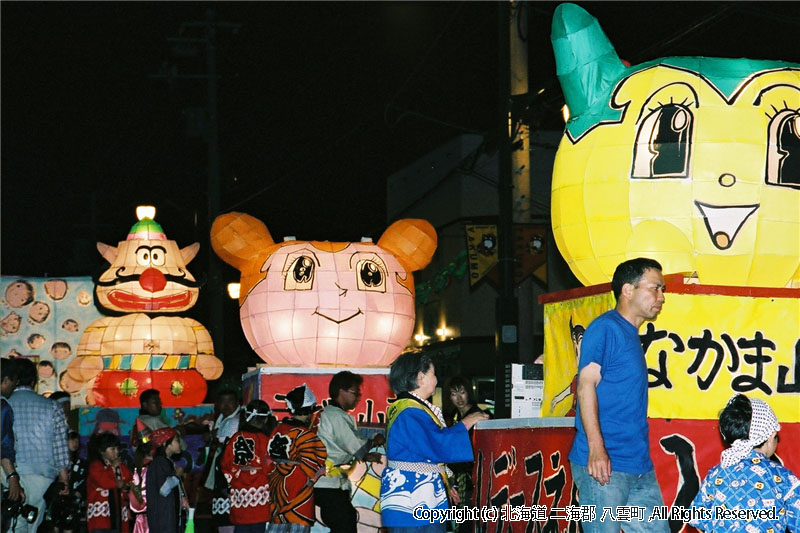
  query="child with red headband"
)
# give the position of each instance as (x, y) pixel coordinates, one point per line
(166, 499)
(246, 465)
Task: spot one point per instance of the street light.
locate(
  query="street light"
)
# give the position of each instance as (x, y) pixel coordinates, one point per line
(145, 211)
(233, 290)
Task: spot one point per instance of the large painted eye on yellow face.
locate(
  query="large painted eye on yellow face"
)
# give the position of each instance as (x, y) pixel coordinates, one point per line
(150, 255)
(663, 146)
(783, 149)
(298, 272)
(371, 275)
(780, 103)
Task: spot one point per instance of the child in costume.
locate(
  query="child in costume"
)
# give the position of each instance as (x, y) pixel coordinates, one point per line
(107, 485)
(166, 499)
(246, 466)
(141, 459)
(299, 457)
(746, 478)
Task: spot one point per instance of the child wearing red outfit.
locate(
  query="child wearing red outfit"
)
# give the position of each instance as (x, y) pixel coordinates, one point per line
(299, 457)
(107, 486)
(246, 465)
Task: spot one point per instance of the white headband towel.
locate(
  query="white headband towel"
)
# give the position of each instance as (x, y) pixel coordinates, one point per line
(762, 424)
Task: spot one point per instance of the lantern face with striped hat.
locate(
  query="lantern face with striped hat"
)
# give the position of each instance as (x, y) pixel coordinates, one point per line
(313, 303)
(147, 273)
(125, 355)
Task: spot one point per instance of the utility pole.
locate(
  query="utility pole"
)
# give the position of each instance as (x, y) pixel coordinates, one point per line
(208, 27)
(507, 307)
(519, 131)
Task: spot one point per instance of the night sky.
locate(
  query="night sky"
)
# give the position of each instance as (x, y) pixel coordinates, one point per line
(318, 104)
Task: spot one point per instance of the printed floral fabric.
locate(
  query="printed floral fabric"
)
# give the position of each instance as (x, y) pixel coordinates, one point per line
(754, 483)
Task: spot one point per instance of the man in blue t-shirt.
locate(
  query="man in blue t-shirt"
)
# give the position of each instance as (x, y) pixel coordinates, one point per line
(612, 406)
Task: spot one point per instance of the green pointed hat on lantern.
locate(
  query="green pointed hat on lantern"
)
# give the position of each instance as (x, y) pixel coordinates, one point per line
(586, 63)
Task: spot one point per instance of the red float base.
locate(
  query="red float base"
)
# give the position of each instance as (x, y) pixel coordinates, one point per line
(121, 388)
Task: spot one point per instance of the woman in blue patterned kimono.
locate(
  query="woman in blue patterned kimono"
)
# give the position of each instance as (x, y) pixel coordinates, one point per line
(418, 444)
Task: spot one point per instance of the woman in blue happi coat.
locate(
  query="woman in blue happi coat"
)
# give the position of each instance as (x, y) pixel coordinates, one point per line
(418, 444)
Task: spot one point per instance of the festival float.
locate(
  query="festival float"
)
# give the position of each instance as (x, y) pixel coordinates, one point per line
(147, 346)
(692, 161)
(312, 308)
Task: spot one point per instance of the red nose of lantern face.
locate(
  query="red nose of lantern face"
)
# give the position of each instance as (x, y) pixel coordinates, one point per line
(152, 280)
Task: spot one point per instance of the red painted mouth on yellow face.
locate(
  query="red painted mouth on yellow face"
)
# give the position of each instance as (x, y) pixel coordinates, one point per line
(127, 300)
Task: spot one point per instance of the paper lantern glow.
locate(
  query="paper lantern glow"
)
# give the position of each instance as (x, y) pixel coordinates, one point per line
(693, 161)
(311, 303)
(128, 354)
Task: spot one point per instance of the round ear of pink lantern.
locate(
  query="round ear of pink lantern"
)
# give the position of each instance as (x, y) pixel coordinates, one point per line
(238, 238)
(243, 242)
(412, 240)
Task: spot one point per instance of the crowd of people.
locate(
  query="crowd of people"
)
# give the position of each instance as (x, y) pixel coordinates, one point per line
(261, 474)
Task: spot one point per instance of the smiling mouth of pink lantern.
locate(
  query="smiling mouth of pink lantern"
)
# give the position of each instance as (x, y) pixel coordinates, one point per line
(358, 312)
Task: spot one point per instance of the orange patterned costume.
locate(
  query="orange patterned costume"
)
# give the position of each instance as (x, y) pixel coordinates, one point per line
(299, 457)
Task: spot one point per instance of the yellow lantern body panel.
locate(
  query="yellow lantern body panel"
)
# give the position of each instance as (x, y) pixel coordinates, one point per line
(690, 161)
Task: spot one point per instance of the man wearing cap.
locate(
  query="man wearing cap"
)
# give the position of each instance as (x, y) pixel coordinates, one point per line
(746, 480)
(299, 457)
(344, 445)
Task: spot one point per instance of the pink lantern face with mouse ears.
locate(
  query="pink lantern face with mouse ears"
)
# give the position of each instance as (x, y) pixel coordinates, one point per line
(311, 303)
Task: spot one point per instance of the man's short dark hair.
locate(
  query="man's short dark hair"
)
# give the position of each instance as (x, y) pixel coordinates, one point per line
(343, 381)
(57, 395)
(403, 374)
(631, 271)
(229, 392)
(8, 368)
(27, 374)
(734, 420)
(460, 382)
(148, 395)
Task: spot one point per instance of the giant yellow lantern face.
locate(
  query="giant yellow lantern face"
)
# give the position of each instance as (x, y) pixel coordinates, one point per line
(147, 273)
(692, 161)
(311, 303)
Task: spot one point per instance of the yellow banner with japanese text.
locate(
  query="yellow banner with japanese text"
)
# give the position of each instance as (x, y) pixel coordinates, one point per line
(700, 350)
(481, 249)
